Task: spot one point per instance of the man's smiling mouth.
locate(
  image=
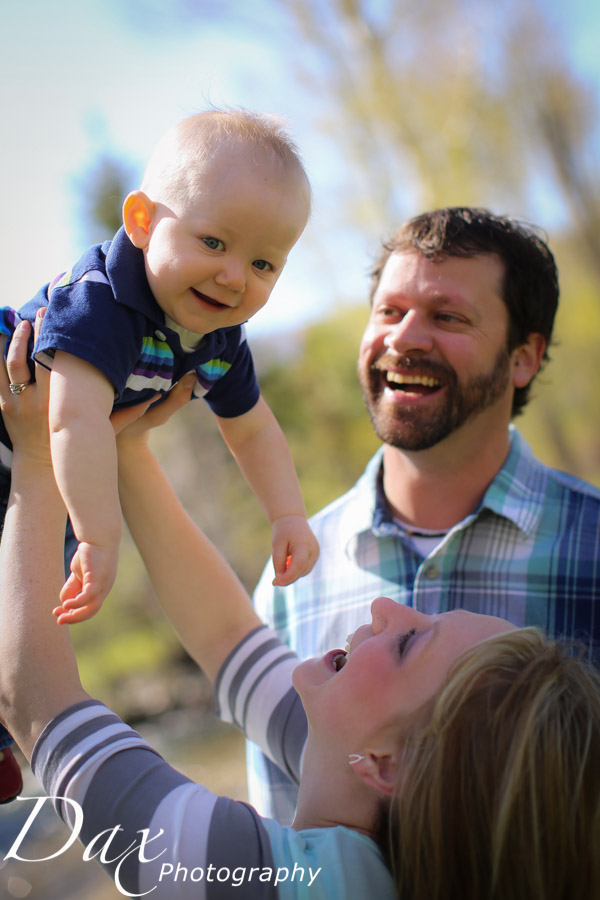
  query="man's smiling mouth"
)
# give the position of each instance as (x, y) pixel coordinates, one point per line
(411, 384)
(408, 375)
(395, 378)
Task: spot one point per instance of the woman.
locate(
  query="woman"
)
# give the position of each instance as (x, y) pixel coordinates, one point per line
(425, 735)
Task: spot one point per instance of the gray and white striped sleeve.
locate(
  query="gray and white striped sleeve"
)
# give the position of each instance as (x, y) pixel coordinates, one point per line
(254, 691)
(151, 828)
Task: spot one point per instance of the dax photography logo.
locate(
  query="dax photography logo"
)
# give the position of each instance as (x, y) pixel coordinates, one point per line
(101, 848)
(98, 848)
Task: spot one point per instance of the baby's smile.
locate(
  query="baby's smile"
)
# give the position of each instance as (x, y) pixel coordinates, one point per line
(209, 300)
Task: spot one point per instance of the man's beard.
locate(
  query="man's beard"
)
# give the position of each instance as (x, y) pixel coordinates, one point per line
(409, 428)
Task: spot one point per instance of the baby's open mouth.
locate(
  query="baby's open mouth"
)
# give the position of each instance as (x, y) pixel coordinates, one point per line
(209, 300)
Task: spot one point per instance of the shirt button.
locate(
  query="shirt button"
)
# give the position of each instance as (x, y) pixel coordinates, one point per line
(432, 571)
(160, 335)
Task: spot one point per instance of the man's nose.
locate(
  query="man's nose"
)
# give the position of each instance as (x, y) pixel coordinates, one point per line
(412, 332)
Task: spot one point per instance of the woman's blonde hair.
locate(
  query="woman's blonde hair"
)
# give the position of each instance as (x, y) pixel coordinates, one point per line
(499, 795)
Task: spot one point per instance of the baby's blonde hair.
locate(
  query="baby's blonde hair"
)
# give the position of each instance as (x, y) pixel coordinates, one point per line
(187, 147)
(498, 796)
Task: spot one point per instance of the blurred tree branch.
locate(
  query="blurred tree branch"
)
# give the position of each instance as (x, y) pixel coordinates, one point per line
(442, 102)
(462, 96)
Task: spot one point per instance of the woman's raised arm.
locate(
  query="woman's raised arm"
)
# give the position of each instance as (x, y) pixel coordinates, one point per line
(38, 675)
(200, 594)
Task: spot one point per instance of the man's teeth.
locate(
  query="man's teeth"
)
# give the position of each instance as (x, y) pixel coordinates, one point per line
(425, 380)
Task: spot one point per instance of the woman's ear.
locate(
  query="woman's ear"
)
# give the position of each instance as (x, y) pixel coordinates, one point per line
(138, 212)
(377, 770)
(527, 359)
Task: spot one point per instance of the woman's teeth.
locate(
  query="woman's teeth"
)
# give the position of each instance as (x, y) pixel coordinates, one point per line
(339, 661)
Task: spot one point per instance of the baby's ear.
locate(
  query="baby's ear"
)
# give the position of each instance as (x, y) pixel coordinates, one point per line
(138, 211)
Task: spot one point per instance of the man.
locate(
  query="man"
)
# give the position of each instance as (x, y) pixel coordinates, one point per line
(453, 510)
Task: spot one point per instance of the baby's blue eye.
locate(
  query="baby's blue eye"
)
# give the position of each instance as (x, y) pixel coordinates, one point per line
(214, 243)
(262, 265)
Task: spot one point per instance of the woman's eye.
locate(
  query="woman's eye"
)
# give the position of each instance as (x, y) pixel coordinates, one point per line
(214, 243)
(403, 640)
(262, 265)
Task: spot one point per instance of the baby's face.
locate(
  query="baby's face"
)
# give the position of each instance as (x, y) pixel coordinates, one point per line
(213, 261)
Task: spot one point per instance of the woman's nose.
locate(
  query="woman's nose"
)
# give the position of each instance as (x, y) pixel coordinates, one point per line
(386, 612)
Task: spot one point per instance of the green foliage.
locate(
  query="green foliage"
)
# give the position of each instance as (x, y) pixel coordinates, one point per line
(561, 421)
(141, 647)
(102, 188)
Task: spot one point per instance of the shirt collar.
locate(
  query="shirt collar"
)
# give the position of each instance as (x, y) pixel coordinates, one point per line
(126, 271)
(516, 493)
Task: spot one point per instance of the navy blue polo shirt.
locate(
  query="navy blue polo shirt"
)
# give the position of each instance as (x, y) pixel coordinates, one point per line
(104, 312)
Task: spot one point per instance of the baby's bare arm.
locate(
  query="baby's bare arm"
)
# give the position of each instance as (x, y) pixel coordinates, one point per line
(259, 446)
(261, 451)
(85, 466)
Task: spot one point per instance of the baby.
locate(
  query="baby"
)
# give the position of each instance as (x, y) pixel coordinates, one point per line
(223, 201)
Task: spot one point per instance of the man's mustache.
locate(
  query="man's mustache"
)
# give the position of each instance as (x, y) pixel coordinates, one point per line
(390, 360)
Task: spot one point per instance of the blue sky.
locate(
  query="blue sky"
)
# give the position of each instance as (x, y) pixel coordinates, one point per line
(79, 76)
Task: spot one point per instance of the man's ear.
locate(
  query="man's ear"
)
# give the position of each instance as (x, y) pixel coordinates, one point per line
(138, 212)
(527, 359)
(378, 770)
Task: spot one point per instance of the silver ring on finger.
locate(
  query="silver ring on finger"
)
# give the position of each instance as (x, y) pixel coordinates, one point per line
(17, 387)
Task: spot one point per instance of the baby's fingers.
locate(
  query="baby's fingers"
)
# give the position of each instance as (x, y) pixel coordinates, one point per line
(299, 561)
(72, 616)
(77, 609)
(71, 588)
(77, 602)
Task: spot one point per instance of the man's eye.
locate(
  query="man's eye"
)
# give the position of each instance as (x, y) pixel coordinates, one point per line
(450, 318)
(214, 243)
(262, 265)
(387, 312)
(403, 640)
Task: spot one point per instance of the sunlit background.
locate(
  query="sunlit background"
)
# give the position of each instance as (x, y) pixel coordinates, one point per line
(397, 107)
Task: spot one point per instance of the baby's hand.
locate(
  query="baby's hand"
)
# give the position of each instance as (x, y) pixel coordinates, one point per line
(295, 549)
(93, 571)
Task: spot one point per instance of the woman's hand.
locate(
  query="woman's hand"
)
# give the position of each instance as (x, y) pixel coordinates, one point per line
(25, 414)
(133, 425)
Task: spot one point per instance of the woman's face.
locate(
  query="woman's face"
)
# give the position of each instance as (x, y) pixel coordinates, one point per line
(394, 665)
